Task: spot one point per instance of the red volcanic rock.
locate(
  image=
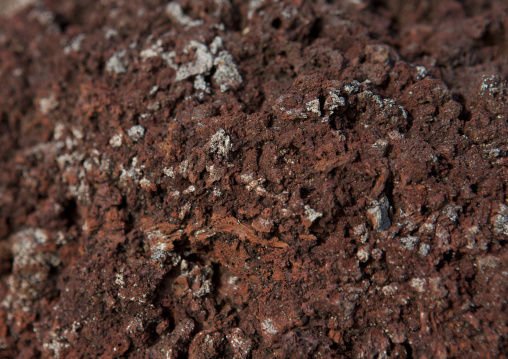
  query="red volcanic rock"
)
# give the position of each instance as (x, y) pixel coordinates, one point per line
(253, 179)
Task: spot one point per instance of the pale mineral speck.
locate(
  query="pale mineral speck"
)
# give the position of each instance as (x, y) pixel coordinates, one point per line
(390, 289)
(409, 242)
(170, 172)
(48, 104)
(175, 12)
(119, 280)
(268, 327)
(116, 64)
(75, 44)
(363, 255)
(312, 214)
(116, 140)
(110, 33)
(136, 132)
(418, 284)
(424, 249)
(421, 72)
(144, 182)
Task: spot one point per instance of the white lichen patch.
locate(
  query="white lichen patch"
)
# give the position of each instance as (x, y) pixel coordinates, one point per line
(390, 289)
(418, 284)
(145, 183)
(200, 84)
(170, 172)
(110, 33)
(424, 249)
(75, 44)
(268, 327)
(226, 73)
(333, 101)
(296, 114)
(202, 64)
(116, 63)
(116, 140)
(48, 104)
(312, 214)
(501, 220)
(216, 45)
(175, 13)
(352, 87)
(451, 212)
(409, 242)
(363, 254)
(314, 106)
(136, 132)
(253, 184)
(253, 7)
(133, 172)
(153, 51)
(240, 344)
(190, 189)
(157, 50)
(220, 143)
(119, 280)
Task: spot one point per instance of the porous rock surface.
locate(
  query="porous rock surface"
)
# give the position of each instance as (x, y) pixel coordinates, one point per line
(254, 179)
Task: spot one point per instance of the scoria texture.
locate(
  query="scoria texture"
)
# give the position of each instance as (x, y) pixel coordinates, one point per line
(253, 179)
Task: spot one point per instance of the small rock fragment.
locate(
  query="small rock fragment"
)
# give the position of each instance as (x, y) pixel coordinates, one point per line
(378, 214)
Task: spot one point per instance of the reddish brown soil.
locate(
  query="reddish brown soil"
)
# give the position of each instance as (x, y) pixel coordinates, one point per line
(254, 179)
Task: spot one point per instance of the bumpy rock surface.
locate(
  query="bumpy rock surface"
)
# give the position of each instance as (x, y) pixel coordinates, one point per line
(254, 179)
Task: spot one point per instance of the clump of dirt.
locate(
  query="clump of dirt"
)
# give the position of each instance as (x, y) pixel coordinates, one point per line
(254, 179)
